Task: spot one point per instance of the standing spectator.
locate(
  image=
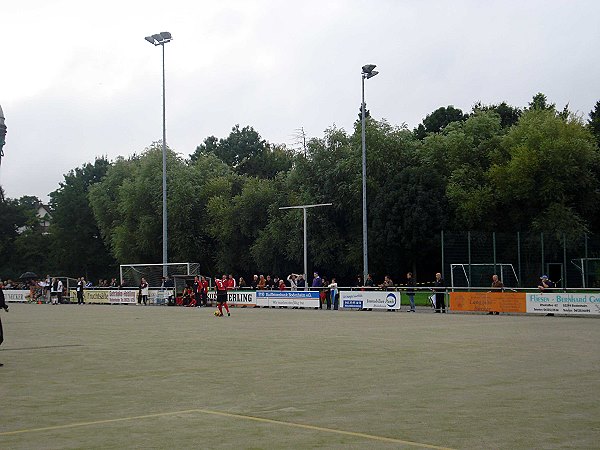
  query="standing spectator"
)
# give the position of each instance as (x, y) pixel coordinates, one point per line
(4, 306)
(317, 282)
(113, 283)
(301, 283)
(268, 282)
(254, 283)
(197, 291)
(369, 284)
(282, 286)
(545, 284)
(292, 280)
(242, 283)
(440, 293)
(231, 284)
(204, 296)
(47, 289)
(143, 292)
(359, 281)
(410, 284)
(262, 283)
(57, 291)
(497, 285)
(79, 290)
(386, 285)
(334, 294)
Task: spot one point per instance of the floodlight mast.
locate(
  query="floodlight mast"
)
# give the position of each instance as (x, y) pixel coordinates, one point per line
(161, 39)
(367, 72)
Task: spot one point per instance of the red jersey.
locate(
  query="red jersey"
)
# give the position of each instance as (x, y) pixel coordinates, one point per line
(231, 283)
(219, 285)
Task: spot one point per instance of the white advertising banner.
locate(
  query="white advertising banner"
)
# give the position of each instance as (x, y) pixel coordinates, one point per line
(370, 299)
(290, 299)
(564, 303)
(236, 298)
(11, 295)
(122, 296)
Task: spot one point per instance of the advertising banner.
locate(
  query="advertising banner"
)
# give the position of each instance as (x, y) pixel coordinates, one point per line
(291, 299)
(236, 298)
(90, 296)
(122, 296)
(507, 302)
(370, 299)
(564, 303)
(16, 295)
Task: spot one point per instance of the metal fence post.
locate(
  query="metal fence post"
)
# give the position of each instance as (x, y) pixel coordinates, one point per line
(469, 258)
(565, 261)
(494, 248)
(519, 257)
(542, 245)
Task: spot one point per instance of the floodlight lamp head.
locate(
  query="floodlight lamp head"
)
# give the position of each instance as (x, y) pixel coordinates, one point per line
(157, 38)
(150, 39)
(368, 68)
(372, 74)
(166, 36)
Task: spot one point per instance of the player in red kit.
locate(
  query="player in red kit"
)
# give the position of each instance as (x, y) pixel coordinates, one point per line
(221, 288)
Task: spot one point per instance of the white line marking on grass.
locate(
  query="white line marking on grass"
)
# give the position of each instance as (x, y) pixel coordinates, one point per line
(230, 415)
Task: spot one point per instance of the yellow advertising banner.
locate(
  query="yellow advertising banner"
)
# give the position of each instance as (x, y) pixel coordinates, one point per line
(509, 302)
(91, 296)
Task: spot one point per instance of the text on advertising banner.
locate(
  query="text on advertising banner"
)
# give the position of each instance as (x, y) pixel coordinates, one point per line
(564, 303)
(507, 302)
(236, 298)
(370, 299)
(292, 299)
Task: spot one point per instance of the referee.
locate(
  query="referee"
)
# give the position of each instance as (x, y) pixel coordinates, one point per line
(4, 306)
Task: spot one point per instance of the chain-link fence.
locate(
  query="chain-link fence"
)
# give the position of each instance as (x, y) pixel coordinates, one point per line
(469, 259)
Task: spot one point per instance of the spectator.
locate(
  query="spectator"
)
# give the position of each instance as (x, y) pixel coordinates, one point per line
(113, 283)
(334, 294)
(231, 284)
(254, 283)
(143, 292)
(268, 282)
(440, 293)
(262, 283)
(317, 281)
(359, 281)
(410, 284)
(56, 291)
(545, 284)
(47, 288)
(242, 283)
(282, 285)
(301, 282)
(204, 296)
(369, 281)
(292, 280)
(79, 290)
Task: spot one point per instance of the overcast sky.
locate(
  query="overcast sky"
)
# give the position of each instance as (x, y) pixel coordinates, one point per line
(78, 80)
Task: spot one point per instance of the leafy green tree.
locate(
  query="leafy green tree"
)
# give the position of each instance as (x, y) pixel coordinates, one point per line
(77, 245)
(540, 102)
(551, 169)
(594, 122)
(439, 119)
(509, 115)
(16, 216)
(246, 153)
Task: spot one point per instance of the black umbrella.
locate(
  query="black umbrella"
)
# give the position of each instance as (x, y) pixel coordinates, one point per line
(28, 276)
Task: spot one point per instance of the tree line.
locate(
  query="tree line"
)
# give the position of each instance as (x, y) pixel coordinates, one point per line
(497, 167)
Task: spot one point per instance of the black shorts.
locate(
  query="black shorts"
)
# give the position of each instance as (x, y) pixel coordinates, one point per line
(221, 296)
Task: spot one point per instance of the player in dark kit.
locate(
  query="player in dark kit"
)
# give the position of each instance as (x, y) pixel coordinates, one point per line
(221, 288)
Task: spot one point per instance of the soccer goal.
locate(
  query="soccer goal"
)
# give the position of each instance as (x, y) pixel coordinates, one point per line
(590, 271)
(480, 275)
(132, 274)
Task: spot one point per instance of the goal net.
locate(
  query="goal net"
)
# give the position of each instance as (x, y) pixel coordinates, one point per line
(480, 275)
(589, 268)
(132, 274)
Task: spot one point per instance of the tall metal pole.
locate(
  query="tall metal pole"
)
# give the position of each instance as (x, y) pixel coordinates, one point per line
(164, 170)
(364, 183)
(305, 247)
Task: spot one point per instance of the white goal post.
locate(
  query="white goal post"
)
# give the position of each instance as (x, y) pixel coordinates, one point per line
(132, 274)
(480, 275)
